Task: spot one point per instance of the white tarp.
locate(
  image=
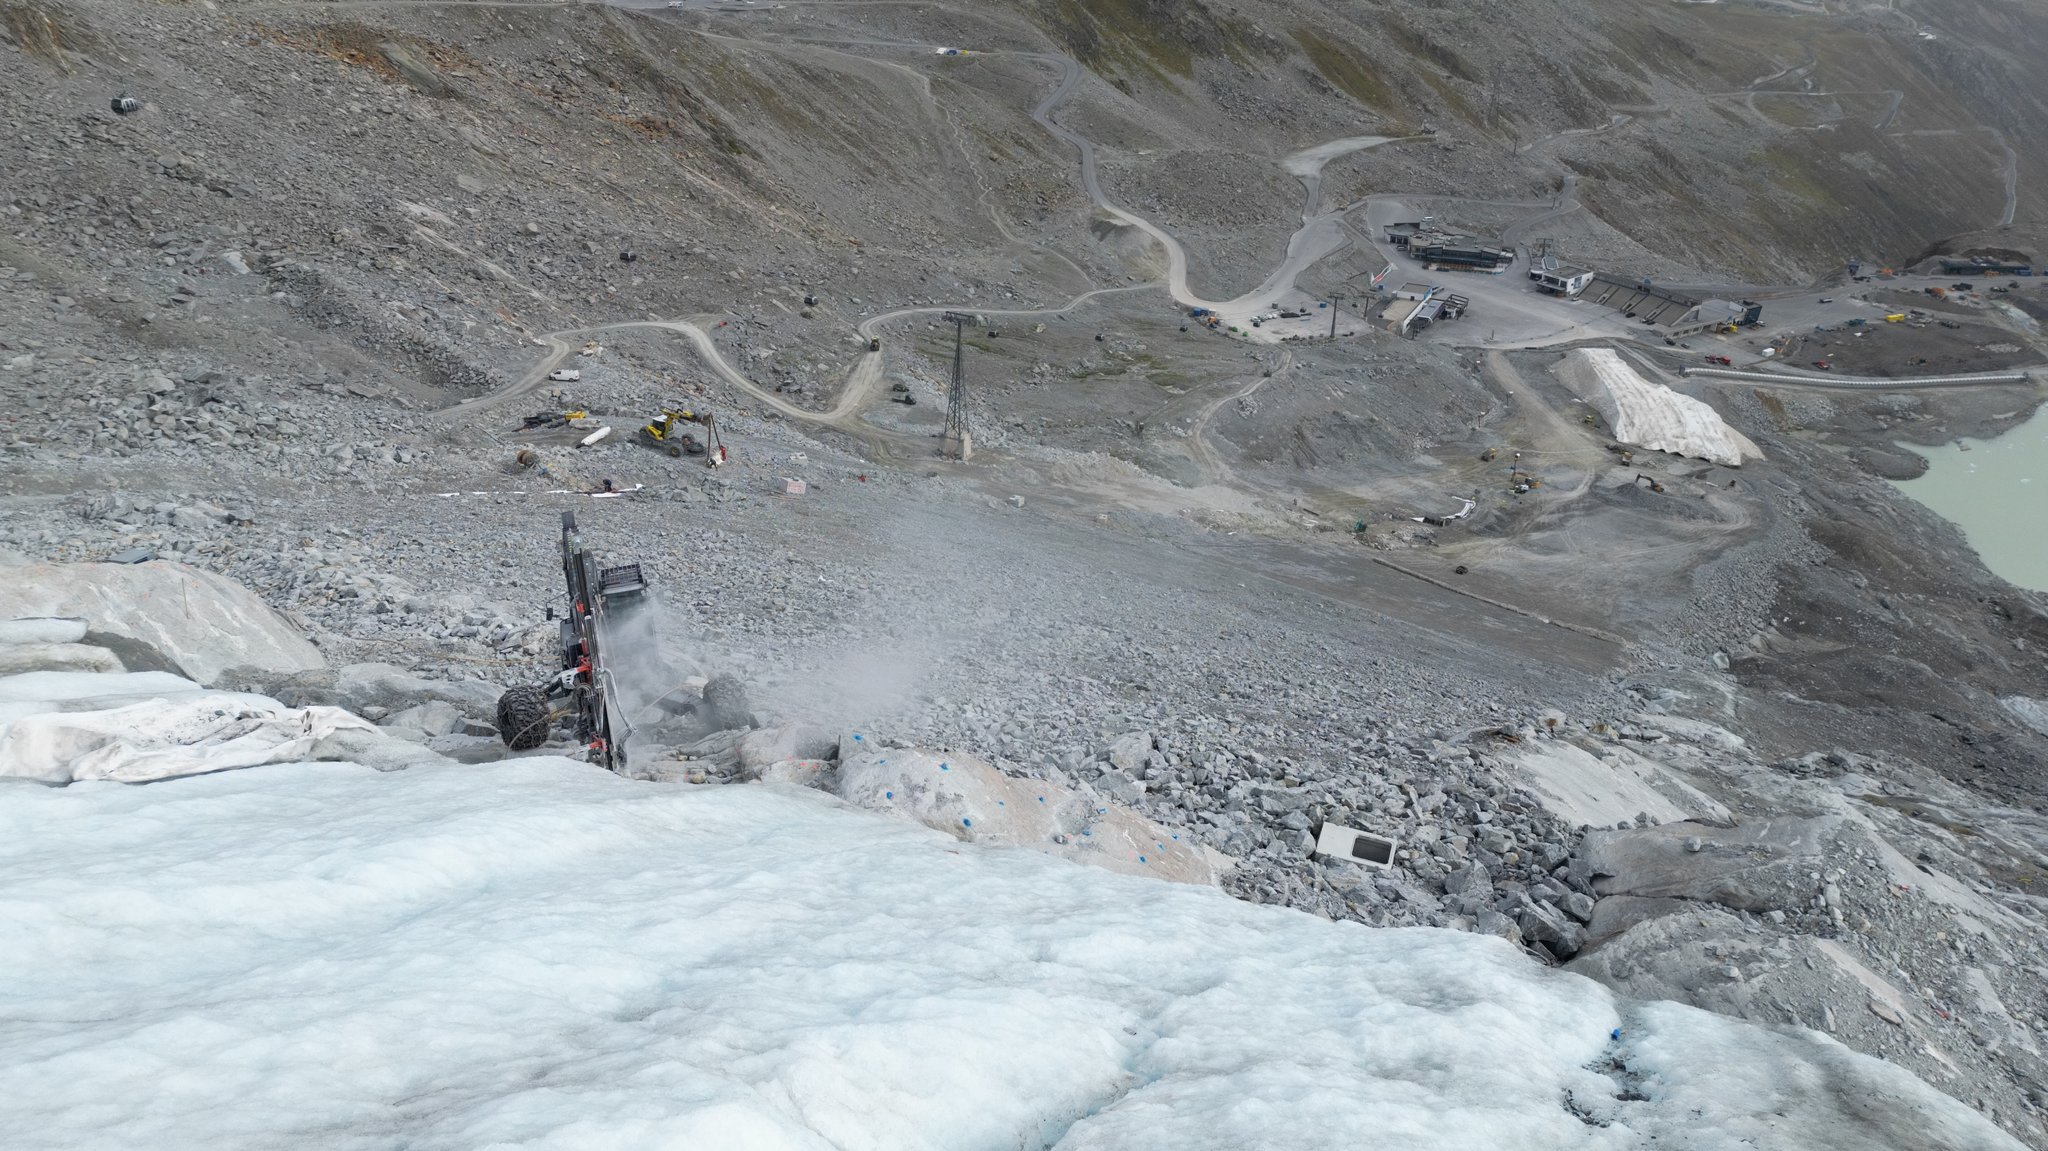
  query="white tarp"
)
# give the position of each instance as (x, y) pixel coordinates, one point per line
(1655, 417)
(163, 738)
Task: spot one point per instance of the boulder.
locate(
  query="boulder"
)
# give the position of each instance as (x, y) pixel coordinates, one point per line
(1469, 879)
(972, 801)
(814, 773)
(1750, 867)
(162, 617)
(1618, 913)
(1547, 925)
(1491, 922)
(363, 686)
(763, 747)
(768, 745)
(1127, 752)
(17, 658)
(42, 629)
(435, 717)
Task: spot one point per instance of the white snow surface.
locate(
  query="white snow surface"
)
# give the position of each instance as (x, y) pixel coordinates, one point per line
(537, 954)
(1653, 416)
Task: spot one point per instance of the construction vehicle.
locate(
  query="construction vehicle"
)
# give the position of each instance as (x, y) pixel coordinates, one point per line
(1895, 317)
(553, 419)
(1823, 365)
(1655, 485)
(604, 603)
(1724, 361)
(664, 434)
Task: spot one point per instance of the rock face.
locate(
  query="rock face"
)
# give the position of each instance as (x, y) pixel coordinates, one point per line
(362, 686)
(162, 617)
(1753, 867)
(972, 801)
(16, 658)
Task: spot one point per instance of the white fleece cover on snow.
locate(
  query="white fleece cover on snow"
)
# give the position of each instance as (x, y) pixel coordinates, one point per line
(1653, 416)
(188, 734)
(541, 955)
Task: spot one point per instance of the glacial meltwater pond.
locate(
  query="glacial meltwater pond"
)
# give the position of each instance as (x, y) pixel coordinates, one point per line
(1997, 492)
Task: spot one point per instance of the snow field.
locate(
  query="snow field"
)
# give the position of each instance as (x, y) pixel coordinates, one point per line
(540, 955)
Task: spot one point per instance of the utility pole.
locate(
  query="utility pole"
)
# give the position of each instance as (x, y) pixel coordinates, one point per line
(958, 441)
(1493, 95)
(1334, 297)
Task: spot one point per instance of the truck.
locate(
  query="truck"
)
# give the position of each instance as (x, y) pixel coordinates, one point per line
(565, 375)
(1895, 317)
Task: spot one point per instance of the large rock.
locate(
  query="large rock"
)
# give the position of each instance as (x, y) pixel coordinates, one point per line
(972, 801)
(43, 629)
(17, 658)
(436, 718)
(358, 686)
(1547, 925)
(1127, 752)
(162, 617)
(1752, 867)
(767, 746)
(1601, 790)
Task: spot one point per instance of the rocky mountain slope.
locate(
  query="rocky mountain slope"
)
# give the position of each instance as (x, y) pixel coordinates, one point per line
(1188, 575)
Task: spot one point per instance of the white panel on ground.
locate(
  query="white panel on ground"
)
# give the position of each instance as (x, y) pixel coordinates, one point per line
(1354, 846)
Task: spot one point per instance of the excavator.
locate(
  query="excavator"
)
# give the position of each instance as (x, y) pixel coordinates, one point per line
(665, 433)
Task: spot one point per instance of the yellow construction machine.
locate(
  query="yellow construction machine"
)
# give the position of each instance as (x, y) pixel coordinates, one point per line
(666, 433)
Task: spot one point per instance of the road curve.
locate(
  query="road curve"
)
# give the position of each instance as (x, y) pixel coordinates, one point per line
(862, 380)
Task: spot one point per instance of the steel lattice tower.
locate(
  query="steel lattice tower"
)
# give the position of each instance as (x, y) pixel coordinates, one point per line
(958, 441)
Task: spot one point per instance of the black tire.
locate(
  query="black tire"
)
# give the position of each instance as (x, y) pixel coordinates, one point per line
(524, 717)
(725, 704)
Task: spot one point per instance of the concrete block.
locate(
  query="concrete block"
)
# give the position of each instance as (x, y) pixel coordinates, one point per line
(1351, 845)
